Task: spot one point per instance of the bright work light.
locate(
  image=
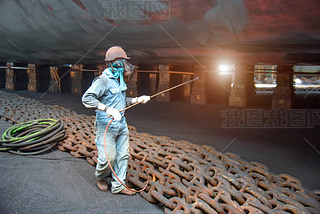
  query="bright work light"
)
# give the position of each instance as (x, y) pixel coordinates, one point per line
(225, 69)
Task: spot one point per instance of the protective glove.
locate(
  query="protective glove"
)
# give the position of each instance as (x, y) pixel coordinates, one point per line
(143, 99)
(114, 113)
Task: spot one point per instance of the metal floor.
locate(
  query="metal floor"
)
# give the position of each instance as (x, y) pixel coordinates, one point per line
(65, 184)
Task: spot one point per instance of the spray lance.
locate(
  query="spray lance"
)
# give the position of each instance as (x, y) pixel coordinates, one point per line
(105, 132)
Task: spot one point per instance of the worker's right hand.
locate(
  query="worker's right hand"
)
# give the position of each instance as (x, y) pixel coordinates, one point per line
(114, 113)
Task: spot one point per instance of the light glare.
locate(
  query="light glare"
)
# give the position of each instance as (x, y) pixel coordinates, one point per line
(225, 69)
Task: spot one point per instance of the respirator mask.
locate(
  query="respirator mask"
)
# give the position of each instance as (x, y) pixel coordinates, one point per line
(122, 67)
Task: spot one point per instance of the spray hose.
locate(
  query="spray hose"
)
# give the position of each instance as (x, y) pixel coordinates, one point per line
(105, 133)
(105, 150)
(32, 137)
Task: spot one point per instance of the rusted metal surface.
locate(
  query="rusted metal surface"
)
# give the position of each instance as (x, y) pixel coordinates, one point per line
(184, 177)
(154, 31)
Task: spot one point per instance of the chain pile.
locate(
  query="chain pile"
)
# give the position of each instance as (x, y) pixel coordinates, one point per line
(184, 177)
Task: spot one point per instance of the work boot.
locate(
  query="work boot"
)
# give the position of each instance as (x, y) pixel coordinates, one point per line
(102, 185)
(125, 191)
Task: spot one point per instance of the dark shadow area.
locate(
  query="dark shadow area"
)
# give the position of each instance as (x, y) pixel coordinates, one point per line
(301, 100)
(87, 78)
(262, 99)
(143, 83)
(183, 93)
(307, 100)
(2, 76)
(147, 83)
(43, 77)
(64, 76)
(20, 78)
(218, 88)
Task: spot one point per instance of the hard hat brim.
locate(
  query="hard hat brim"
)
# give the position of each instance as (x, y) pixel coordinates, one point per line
(107, 60)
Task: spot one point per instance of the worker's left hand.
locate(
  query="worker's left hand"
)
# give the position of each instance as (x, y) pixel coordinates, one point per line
(143, 99)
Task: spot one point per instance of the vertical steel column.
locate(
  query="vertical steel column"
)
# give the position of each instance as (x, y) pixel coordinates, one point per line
(164, 83)
(198, 94)
(132, 90)
(55, 84)
(76, 79)
(32, 78)
(10, 83)
(284, 92)
(243, 87)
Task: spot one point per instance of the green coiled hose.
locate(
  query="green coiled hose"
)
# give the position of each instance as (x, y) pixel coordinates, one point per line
(32, 137)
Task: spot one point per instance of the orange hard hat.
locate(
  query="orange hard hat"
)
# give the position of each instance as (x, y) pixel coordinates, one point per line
(115, 52)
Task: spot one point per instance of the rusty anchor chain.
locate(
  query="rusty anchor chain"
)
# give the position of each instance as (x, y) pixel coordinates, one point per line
(184, 177)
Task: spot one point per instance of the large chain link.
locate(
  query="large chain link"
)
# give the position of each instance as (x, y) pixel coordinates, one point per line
(184, 177)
